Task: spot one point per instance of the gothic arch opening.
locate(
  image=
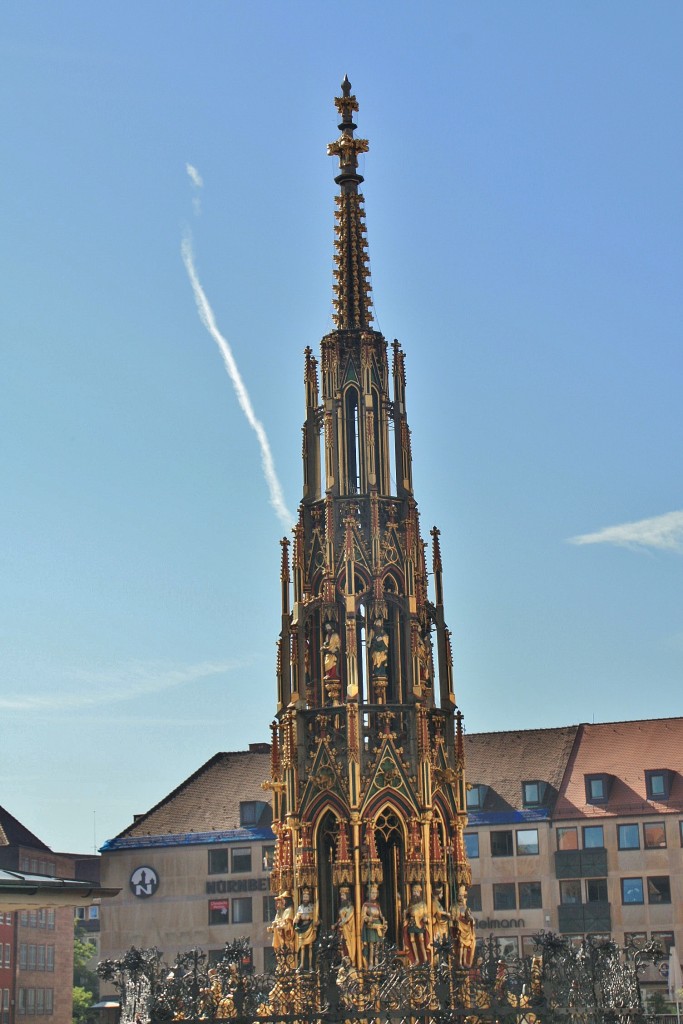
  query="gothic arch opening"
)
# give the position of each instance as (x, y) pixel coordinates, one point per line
(390, 840)
(352, 439)
(326, 838)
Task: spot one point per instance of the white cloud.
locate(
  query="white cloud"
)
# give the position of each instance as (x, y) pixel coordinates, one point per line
(207, 318)
(109, 686)
(195, 176)
(665, 533)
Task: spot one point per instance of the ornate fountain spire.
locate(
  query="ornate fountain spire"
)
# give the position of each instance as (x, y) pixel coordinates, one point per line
(352, 302)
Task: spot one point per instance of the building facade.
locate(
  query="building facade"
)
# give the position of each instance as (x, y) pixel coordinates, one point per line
(578, 831)
(195, 869)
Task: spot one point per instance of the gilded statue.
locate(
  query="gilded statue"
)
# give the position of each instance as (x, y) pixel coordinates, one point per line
(463, 929)
(305, 928)
(416, 927)
(346, 923)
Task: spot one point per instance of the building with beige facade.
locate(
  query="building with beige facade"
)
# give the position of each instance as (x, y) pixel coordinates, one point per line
(578, 831)
(194, 870)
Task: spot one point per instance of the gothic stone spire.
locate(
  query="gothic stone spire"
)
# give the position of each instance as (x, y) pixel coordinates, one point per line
(352, 302)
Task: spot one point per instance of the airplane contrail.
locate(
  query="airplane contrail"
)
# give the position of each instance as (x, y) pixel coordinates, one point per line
(208, 319)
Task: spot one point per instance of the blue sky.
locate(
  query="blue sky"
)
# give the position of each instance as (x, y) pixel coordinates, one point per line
(525, 223)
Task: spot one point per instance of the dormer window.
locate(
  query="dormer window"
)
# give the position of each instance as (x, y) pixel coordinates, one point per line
(597, 788)
(254, 813)
(658, 784)
(532, 793)
(475, 797)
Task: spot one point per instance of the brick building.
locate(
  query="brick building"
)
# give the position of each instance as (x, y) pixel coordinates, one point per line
(38, 892)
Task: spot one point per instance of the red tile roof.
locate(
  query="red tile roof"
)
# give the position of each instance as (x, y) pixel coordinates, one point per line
(626, 751)
(504, 760)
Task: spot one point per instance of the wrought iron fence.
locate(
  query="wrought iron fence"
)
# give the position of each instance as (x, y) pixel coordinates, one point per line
(595, 982)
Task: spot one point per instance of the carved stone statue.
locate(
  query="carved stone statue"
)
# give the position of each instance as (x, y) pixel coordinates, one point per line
(440, 917)
(346, 923)
(373, 925)
(463, 929)
(282, 927)
(330, 652)
(416, 927)
(305, 928)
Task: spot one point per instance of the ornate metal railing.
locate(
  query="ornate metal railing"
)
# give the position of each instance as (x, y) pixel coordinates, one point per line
(592, 983)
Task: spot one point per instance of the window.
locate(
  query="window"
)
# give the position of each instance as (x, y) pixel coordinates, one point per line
(268, 959)
(268, 908)
(527, 841)
(8, 955)
(218, 911)
(654, 835)
(23, 956)
(472, 844)
(41, 958)
(8, 917)
(241, 859)
(568, 838)
(475, 798)
(659, 889)
(241, 910)
(632, 890)
(504, 897)
(529, 946)
(593, 837)
(80, 914)
(267, 855)
(532, 793)
(42, 917)
(21, 1001)
(218, 862)
(665, 940)
(93, 913)
(570, 891)
(48, 1000)
(474, 898)
(50, 958)
(530, 895)
(30, 1001)
(249, 812)
(31, 957)
(636, 939)
(657, 784)
(40, 1000)
(508, 946)
(33, 918)
(596, 890)
(23, 918)
(501, 844)
(50, 924)
(628, 837)
(597, 789)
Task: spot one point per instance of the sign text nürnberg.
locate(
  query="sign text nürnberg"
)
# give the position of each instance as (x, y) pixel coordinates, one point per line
(237, 885)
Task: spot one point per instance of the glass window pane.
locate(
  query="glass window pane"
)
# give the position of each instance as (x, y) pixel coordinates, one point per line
(628, 837)
(241, 910)
(474, 897)
(570, 891)
(241, 859)
(631, 890)
(504, 896)
(665, 940)
(596, 890)
(218, 862)
(593, 837)
(532, 793)
(568, 838)
(218, 911)
(527, 841)
(267, 854)
(530, 895)
(654, 835)
(659, 889)
(472, 844)
(501, 844)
